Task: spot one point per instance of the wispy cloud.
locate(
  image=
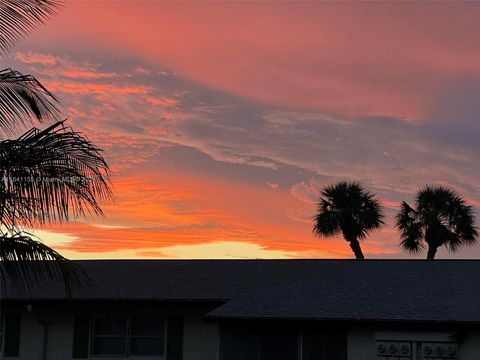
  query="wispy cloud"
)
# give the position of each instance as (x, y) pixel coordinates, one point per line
(228, 136)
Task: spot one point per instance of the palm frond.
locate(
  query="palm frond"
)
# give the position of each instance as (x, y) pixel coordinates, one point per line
(19, 17)
(450, 239)
(406, 217)
(49, 176)
(23, 98)
(25, 262)
(411, 230)
(411, 244)
(369, 214)
(325, 221)
(461, 220)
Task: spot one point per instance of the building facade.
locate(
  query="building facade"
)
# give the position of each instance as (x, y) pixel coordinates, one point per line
(251, 310)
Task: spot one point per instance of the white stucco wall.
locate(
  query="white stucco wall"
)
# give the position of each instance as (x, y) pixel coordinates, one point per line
(362, 340)
(469, 345)
(200, 338)
(361, 343)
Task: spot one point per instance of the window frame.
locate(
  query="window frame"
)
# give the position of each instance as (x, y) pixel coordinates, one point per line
(127, 354)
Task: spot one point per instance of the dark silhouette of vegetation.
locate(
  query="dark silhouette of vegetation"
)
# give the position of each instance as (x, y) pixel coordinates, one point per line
(347, 208)
(438, 217)
(19, 17)
(46, 176)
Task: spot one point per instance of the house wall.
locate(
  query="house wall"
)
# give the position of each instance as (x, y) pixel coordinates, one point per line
(361, 343)
(59, 328)
(200, 339)
(362, 339)
(470, 345)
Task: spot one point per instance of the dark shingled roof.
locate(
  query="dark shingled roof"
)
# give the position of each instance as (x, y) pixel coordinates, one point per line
(403, 290)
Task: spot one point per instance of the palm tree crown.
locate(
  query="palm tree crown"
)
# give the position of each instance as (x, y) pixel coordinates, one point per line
(439, 217)
(349, 209)
(46, 176)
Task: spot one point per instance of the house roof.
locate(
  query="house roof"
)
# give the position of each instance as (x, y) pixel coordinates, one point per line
(395, 290)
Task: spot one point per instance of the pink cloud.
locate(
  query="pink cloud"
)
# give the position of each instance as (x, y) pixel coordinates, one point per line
(79, 73)
(57, 66)
(36, 58)
(327, 56)
(161, 101)
(71, 87)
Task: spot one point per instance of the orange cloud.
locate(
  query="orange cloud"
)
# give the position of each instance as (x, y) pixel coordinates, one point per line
(94, 88)
(161, 101)
(36, 58)
(79, 73)
(186, 211)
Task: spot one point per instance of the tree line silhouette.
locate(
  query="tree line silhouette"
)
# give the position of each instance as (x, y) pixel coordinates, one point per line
(438, 217)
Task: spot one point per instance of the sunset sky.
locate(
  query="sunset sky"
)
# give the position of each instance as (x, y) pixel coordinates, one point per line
(222, 120)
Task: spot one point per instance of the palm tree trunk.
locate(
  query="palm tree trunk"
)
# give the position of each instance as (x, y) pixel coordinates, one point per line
(432, 250)
(357, 250)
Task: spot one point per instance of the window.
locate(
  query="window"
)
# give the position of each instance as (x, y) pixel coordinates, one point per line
(11, 335)
(121, 336)
(286, 341)
(279, 344)
(109, 336)
(319, 344)
(251, 341)
(147, 336)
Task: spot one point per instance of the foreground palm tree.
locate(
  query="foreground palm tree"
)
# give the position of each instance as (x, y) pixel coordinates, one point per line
(347, 208)
(20, 17)
(46, 176)
(439, 217)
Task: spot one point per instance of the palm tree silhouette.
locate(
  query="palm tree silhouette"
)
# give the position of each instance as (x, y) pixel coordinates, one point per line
(347, 208)
(439, 217)
(46, 176)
